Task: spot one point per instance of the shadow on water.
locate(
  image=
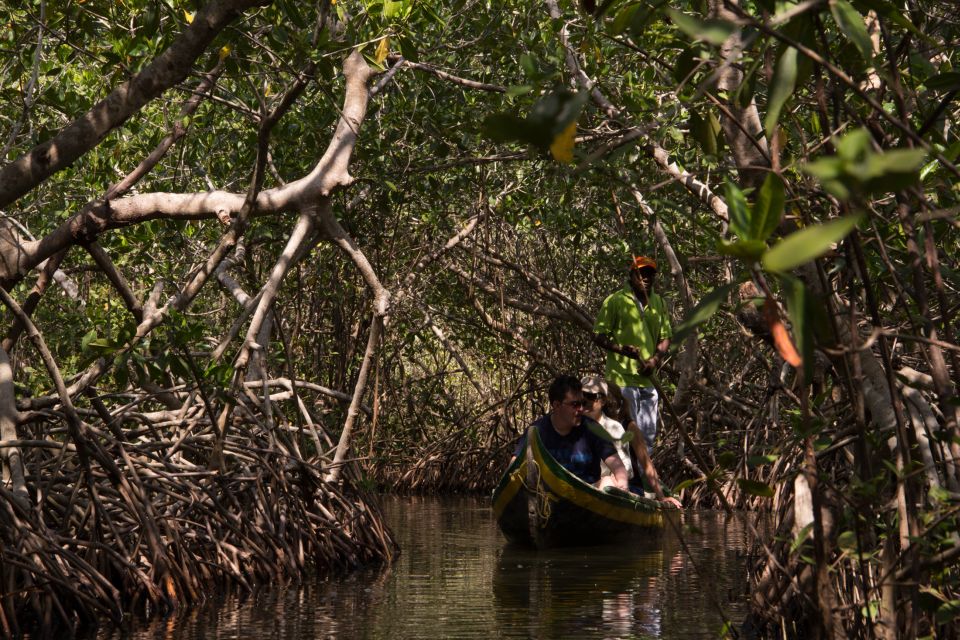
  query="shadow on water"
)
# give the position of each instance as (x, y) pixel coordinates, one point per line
(457, 578)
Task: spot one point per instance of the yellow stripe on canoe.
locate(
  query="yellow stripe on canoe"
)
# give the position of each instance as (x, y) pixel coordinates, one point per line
(584, 499)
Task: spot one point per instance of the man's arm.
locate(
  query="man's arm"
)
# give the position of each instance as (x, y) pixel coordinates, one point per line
(606, 341)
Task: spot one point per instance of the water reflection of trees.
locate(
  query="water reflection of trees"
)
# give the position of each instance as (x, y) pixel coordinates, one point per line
(576, 592)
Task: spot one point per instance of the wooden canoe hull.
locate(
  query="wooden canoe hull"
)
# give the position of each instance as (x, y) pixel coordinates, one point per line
(564, 510)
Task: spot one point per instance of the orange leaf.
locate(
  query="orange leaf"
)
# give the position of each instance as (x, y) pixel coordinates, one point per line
(781, 337)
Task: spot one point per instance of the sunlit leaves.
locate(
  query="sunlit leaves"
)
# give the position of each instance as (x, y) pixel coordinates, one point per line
(807, 244)
(858, 171)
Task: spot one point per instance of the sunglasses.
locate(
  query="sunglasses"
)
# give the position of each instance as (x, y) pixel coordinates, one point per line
(576, 404)
(591, 397)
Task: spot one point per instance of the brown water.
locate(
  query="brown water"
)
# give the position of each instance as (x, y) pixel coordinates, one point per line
(456, 578)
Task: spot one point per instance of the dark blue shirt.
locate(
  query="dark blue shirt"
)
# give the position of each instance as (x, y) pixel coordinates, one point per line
(579, 452)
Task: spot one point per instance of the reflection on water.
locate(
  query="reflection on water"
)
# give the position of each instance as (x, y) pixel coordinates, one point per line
(457, 578)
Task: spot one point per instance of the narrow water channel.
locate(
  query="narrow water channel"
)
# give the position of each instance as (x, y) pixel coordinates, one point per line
(456, 578)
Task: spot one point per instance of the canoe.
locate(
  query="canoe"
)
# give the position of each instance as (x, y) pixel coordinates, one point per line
(544, 505)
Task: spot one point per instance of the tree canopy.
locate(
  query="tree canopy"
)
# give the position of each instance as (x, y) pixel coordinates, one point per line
(363, 236)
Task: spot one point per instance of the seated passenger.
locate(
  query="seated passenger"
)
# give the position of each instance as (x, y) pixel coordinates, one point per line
(596, 395)
(565, 435)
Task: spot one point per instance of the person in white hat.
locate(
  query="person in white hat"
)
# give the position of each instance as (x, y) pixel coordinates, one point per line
(595, 394)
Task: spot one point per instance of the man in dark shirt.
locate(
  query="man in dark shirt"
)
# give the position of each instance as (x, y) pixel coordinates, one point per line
(565, 434)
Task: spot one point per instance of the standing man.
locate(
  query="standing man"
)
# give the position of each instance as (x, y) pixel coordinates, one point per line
(573, 445)
(634, 326)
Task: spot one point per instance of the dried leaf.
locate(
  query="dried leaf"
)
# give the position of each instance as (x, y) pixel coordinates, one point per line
(781, 338)
(383, 50)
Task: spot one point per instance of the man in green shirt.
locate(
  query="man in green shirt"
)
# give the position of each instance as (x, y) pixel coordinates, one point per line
(634, 326)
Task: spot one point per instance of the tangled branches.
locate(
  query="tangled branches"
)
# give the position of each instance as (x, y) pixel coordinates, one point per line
(141, 524)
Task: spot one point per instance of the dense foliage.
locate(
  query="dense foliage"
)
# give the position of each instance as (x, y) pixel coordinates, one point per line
(791, 166)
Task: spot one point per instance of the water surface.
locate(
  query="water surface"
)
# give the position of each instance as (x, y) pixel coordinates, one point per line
(457, 578)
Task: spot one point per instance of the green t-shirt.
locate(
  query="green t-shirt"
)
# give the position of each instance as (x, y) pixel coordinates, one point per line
(621, 317)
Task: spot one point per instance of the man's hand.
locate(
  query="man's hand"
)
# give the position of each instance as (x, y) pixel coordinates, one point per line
(670, 501)
(648, 366)
(631, 351)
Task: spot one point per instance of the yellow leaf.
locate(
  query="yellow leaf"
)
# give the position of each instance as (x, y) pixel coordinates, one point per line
(225, 51)
(562, 146)
(382, 50)
(188, 16)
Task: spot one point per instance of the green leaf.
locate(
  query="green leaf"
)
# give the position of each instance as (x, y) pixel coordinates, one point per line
(782, 85)
(728, 459)
(748, 250)
(702, 312)
(852, 25)
(623, 18)
(689, 482)
(712, 31)
(890, 171)
(768, 209)
(755, 488)
(847, 541)
(599, 431)
(887, 10)
(830, 172)
(758, 461)
(807, 244)
(801, 537)
(948, 612)
(529, 65)
(407, 49)
(520, 90)
(738, 211)
(87, 338)
(949, 81)
(703, 132)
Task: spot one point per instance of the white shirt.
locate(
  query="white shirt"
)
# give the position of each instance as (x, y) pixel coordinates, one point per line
(615, 429)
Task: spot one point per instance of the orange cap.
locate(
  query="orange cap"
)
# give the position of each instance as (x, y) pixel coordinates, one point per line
(639, 262)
